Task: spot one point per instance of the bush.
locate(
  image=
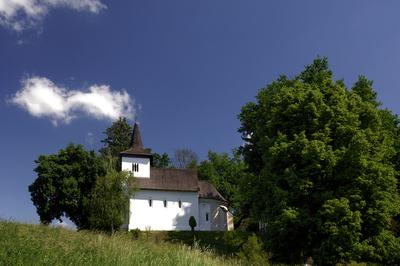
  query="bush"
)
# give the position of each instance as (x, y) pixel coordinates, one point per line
(192, 222)
(234, 240)
(253, 252)
(135, 233)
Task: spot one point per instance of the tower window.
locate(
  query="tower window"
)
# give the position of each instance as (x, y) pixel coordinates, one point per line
(180, 204)
(207, 216)
(165, 203)
(150, 203)
(135, 167)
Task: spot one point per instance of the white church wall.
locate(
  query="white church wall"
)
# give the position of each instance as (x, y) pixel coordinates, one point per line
(158, 217)
(143, 166)
(217, 216)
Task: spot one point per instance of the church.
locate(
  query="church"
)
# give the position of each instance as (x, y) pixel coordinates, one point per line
(166, 198)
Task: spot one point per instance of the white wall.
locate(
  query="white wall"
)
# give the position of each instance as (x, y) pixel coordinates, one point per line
(158, 217)
(217, 216)
(144, 166)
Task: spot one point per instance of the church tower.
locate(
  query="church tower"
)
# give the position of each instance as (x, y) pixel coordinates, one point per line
(136, 159)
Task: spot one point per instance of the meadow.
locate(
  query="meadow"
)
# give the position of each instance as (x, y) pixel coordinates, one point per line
(26, 244)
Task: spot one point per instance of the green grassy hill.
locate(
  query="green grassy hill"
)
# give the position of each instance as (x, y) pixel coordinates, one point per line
(22, 244)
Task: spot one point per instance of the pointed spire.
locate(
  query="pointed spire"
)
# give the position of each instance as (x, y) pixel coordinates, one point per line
(136, 141)
(136, 146)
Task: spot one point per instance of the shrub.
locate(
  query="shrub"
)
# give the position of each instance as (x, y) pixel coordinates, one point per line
(192, 222)
(135, 233)
(253, 252)
(234, 240)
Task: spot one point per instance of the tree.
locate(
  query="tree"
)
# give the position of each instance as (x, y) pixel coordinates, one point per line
(230, 177)
(108, 204)
(64, 181)
(185, 158)
(252, 251)
(161, 161)
(322, 157)
(118, 138)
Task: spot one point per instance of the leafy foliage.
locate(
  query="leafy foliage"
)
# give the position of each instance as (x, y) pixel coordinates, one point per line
(324, 173)
(64, 182)
(192, 222)
(82, 186)
(235, 240)
(161, 161)
(252, 252)
(118, 138)
(230, 177)
(108, 204)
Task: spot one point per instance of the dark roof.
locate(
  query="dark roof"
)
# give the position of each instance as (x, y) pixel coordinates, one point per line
(208, 191)
(178, 180)
(169, 179)
(136, 147)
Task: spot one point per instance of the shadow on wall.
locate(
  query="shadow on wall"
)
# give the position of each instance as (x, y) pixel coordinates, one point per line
(181, 220)
(218, 221)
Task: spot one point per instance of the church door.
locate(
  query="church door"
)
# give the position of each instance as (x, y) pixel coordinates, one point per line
(205, 217)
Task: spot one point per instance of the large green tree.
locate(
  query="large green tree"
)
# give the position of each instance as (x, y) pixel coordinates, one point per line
(64, 182)
(108, 204)
(323, 162)
(118, 137)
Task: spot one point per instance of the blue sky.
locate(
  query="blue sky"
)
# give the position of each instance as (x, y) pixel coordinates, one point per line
(183, 68)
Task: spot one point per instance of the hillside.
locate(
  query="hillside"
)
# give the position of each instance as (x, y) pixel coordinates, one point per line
(22, 244)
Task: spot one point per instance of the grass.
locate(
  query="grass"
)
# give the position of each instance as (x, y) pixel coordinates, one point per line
(23, 244)
(210, 240)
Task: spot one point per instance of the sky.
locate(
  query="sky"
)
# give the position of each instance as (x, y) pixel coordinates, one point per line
(182, 69)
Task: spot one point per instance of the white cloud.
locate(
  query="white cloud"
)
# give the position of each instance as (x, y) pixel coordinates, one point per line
(42, 98)
(22, 14)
